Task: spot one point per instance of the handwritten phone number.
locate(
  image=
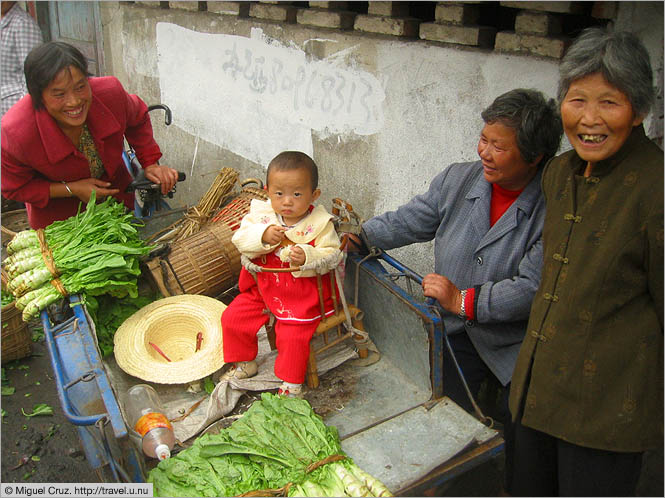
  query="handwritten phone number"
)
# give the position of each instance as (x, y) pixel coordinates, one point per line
(311, 87)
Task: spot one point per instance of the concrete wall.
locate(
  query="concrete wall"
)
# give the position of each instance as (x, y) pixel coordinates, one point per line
(381, 115)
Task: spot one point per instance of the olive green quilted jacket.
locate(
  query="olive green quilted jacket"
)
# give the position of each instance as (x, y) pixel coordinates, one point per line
(591, 364)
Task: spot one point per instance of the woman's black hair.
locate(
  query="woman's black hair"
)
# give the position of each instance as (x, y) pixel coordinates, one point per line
(534, 118)
(45, 62)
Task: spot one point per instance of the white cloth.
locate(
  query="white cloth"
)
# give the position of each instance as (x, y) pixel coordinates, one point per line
(20, 34)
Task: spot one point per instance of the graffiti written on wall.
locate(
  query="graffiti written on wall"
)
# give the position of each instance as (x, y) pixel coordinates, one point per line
(314, 85)
(257, 97)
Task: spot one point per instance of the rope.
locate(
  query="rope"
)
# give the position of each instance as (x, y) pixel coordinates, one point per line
(284, 491)
(324, 265)
(347, 323)
(47, 256)
(483, 418)
(320, 463)
(254, 269)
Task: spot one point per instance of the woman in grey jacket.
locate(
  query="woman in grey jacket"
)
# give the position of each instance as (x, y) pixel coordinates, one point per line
(486, 219)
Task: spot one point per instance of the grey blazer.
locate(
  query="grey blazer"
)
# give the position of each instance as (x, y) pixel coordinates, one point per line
(503, 262)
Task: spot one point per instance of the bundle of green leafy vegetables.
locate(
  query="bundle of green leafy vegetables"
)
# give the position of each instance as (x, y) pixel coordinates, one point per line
(278, 447)
(95, 252)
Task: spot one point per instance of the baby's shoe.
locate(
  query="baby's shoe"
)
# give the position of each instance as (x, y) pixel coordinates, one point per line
(290, 390)
(240, 370)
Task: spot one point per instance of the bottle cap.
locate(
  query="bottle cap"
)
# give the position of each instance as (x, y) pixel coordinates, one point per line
(163, 451)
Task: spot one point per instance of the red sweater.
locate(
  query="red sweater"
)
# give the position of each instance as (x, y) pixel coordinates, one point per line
(502, 199)
(36, 153)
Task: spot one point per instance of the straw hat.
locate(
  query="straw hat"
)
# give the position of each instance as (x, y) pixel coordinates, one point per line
(171, 325)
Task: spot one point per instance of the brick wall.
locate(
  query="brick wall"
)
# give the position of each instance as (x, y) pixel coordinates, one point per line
(541, 29)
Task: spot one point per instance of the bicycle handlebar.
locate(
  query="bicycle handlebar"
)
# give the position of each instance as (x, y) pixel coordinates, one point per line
(168, 117)
(142, 183)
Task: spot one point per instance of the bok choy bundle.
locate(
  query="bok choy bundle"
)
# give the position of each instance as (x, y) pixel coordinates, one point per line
(95, 252)
(278, 447)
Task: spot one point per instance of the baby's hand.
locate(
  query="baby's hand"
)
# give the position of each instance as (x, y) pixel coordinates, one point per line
(273, 235)
(297, 256)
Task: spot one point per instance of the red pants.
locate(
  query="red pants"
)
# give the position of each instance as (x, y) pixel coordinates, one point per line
(244, 317)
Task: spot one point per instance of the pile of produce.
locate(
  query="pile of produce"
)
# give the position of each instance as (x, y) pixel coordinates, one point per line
(6, 298)
(279, 447)
(95, 252)
(109, 312)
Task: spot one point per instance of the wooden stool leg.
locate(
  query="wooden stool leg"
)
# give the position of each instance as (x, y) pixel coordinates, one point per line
(312, 375)
(270, 332)
(362, 350)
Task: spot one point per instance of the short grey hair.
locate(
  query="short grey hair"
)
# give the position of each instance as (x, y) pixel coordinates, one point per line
(534, 118)
(619, 56)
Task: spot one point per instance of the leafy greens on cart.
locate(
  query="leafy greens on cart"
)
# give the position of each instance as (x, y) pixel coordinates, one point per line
(278, 447)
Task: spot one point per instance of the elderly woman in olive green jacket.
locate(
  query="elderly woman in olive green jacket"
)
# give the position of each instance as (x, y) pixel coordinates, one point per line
(587, 390)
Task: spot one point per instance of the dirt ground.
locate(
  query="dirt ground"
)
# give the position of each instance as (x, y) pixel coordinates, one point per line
(41, 448)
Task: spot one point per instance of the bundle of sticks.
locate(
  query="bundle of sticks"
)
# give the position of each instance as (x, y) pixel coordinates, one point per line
(198, 215)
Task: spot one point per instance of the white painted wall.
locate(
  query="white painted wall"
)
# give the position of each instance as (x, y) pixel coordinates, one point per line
(262, 96)
(380, 115)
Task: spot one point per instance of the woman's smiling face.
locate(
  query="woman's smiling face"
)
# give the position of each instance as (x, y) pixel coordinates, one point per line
(67, 98)
(501, 157)
(597, 118)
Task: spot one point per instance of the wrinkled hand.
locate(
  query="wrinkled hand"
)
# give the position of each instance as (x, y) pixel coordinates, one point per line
(161, 175)
(297, 256)
(444, 291)
(273, 235)
(83, 189)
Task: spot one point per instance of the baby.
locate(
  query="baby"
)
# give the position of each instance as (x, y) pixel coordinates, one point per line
(286, 231)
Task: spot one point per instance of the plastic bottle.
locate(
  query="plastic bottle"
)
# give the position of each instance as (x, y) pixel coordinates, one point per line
(146, 415)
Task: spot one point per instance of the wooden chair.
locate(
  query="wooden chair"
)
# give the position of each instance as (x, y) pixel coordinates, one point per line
(331, 328)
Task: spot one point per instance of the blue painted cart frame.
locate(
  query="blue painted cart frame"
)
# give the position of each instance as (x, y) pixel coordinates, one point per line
(87, 398)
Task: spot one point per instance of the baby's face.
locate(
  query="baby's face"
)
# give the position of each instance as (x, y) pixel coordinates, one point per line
(291, 194)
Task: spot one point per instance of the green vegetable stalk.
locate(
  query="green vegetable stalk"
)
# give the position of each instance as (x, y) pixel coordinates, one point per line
(278, 446)
(6, 298)
(39, 409)
(95, 252)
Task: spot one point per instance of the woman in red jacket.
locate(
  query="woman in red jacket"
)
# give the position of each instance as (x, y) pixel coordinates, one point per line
(65, 138)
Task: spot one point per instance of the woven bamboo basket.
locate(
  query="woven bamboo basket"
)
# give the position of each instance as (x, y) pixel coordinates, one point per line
(233, 212)
(13, 222)
(16, 337)
(207, 262)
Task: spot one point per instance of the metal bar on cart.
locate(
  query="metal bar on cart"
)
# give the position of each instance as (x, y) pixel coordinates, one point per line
(430, 301)
(49, 334)
(95, 371)
(83, 388)
(431, 321)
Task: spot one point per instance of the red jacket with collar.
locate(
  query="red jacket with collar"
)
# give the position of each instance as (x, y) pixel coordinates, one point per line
(35, 152)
